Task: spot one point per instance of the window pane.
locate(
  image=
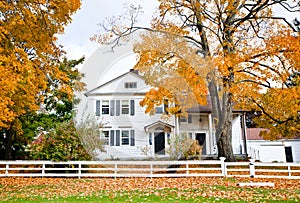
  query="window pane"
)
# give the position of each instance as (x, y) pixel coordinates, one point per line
(105, 137)
(159, 110)
(130, 84)
(190, 120)
(125, 106)
(105, 102)
(105, 107)
(183, 120)
(150, 138)
(125, 137)
(125, 110)
(125, 102)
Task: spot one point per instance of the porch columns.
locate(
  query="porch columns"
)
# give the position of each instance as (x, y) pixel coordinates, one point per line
(212, 139)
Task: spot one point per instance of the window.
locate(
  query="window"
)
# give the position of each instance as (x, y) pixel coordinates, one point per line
(150, 138)
(186, 119)
(125, 137)
(105, 137)
(119, 137)
(190, 120)
(125, 107)
(190, 135)
(159, 110)
(105, 107)
(130, 85)
(183, 120)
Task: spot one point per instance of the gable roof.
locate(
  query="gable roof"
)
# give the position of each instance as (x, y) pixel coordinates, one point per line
(254, 133)
(195, 109)
(158, 123)
(131, 71)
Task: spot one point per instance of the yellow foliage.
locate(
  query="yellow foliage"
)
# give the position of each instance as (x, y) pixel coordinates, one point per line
(244, 48)
(174, 68)
(28, 53)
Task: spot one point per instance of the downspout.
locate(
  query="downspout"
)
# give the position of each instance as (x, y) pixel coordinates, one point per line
(244, 133)
(176, 125)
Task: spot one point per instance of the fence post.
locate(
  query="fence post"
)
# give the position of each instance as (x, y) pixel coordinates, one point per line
(43, 170)
(289, 170)
(6, 169)
(116, 169)
(79, 170)
(252, 168)
(151, 169)
(187, 168)
(223, 166)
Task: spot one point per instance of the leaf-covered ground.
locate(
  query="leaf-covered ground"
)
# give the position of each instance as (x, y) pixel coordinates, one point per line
(146, 189)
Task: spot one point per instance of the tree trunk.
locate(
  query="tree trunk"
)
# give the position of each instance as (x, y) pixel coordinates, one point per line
(224, 141)
(225, 147)
(8, 143)
(222, 118)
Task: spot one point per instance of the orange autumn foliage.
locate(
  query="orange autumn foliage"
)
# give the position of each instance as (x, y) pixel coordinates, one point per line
(239, 52)
(29, 56)
(178, 74)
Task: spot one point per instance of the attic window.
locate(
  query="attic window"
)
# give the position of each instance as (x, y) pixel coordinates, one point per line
(130, 85)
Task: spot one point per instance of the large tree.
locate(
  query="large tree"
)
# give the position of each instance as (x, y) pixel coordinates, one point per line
(233, 41)
(57, 107)
(29, 57)
(279, 106)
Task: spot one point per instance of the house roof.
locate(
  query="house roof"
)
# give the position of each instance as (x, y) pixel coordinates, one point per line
(131, 71)
(207, 108)
(253, 133)
(196, 109)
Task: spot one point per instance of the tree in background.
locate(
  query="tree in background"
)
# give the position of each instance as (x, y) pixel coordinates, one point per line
(88, 131)
(61, 144)
(29, 58)
(279, 106)
(240, 44)
(57, 107)
(67, 141)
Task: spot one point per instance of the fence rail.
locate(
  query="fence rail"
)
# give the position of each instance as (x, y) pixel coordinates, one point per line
(208, 168)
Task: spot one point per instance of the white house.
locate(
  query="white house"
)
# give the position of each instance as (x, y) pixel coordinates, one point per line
(284, 150)
(129, 133)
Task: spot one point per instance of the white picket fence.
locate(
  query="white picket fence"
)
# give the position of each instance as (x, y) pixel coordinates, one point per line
(151, 169)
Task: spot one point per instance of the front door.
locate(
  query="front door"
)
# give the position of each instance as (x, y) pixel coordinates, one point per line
(201, 140)
(159, 143)
(289, 154)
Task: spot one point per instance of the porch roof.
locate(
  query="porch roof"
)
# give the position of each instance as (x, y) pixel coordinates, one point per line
(159, 123)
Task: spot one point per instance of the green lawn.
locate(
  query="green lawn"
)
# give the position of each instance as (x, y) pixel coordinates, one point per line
(142, 190)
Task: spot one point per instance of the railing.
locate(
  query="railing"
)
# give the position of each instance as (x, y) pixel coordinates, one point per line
(207, 168)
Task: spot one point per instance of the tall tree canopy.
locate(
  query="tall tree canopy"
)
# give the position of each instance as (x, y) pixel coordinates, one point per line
(29, 55)
(241, 50)
(58, 107)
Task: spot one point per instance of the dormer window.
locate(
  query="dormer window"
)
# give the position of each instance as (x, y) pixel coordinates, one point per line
(130, 85)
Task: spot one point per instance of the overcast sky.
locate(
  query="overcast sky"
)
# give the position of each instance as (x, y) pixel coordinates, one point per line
(84, 25)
